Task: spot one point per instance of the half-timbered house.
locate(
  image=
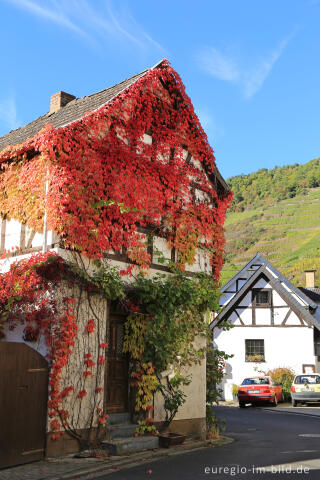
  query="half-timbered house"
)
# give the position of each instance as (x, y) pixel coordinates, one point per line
(20, 238)
(275, 324)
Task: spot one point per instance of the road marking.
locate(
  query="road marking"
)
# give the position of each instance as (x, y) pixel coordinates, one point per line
(313, 464)
(309, 435)
(301, 451)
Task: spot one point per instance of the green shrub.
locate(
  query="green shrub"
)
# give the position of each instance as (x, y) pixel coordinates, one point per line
(285, 376)
(235, 389)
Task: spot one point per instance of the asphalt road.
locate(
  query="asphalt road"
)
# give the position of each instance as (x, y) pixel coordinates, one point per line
(268, 445)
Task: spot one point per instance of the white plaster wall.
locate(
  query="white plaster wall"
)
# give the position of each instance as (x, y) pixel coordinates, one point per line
(284, 347)
(263, 316)
(12, 238)
(293, 319)
(245, 315)
(277, 300)
(195, 405)
(279, 315)
(160, 245)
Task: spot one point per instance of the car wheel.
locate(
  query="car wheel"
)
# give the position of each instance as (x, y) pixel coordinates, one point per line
(242, 404)
(275, 401)
(294, 403)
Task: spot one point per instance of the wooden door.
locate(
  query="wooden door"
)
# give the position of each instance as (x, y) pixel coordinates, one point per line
(23, 404)
(117, 367)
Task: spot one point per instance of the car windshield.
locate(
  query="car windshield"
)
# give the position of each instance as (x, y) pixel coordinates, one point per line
(307, 379)
(256, 381)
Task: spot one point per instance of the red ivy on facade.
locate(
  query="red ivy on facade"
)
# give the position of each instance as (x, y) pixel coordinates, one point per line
(105, 182)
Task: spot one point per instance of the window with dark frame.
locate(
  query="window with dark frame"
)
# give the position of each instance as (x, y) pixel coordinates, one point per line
(261, 297)
(254, 350)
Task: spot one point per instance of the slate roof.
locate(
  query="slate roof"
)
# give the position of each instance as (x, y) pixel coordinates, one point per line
(70, 112)
(312, 293)
(276, 284)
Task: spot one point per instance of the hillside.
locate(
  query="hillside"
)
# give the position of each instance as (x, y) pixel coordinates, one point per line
(286, 231)
(265, 187)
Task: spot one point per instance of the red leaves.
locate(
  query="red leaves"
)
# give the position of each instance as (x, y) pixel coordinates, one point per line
(90, 327)
(89, 363)
(101, 360)
(82, 394)
(104, 180)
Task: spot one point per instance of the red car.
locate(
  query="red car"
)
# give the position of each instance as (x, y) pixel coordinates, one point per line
(259, 389)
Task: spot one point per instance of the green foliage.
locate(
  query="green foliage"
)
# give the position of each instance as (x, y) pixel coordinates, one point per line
(163, 332)
(215, 373)
(214, 376)
(105, 279)
(235, 389)
(270, 186)
(176, 305)
(285, 376)
(145, 428)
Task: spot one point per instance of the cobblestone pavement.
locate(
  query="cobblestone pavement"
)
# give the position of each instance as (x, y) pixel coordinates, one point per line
(67, 468)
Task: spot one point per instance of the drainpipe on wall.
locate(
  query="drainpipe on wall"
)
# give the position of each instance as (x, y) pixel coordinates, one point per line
(45, 231)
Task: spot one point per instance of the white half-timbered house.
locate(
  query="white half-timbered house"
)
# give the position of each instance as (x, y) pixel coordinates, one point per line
(19, 241)
(275, 324)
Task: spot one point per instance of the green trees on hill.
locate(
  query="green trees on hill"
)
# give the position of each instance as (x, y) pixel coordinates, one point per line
(266, 187)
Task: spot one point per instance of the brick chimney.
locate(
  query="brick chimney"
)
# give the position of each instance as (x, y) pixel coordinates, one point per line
(59, 100)
(310, 280)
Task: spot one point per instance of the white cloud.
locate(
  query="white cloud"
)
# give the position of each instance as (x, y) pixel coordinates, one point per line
(94, 23)
(218, 65)
(8, 113)
(249, 78)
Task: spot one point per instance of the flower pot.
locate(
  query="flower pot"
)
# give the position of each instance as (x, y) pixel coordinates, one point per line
(167, 440)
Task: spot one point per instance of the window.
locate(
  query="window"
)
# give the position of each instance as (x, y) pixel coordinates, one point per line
(261, 297)
(256, 381)
(255, 351)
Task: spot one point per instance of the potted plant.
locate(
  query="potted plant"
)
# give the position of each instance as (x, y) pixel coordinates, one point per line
(174, 397)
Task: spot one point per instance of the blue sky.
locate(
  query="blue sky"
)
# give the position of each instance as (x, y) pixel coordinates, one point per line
(251, 67)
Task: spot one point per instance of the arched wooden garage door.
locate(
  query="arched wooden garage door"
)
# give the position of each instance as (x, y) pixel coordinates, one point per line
(23, 404)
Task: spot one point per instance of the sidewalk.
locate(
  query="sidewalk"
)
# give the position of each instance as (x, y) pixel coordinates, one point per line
(69, 467)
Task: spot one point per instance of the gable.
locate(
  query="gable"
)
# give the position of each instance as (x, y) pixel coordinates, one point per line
(255, 263)
(142, 160)
(282, 307)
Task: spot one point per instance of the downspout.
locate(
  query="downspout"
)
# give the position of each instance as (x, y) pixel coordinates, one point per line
(45, 231)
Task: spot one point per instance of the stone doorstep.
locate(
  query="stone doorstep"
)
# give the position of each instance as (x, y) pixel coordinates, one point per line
(68, 468)
(121, 430)
(122, 446)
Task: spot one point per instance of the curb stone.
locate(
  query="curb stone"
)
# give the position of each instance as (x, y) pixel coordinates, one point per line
(39, 470)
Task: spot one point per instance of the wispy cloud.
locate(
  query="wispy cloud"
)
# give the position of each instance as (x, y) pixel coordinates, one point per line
(94, 22)
(226, 67)
(8, 113)
(54, 14)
